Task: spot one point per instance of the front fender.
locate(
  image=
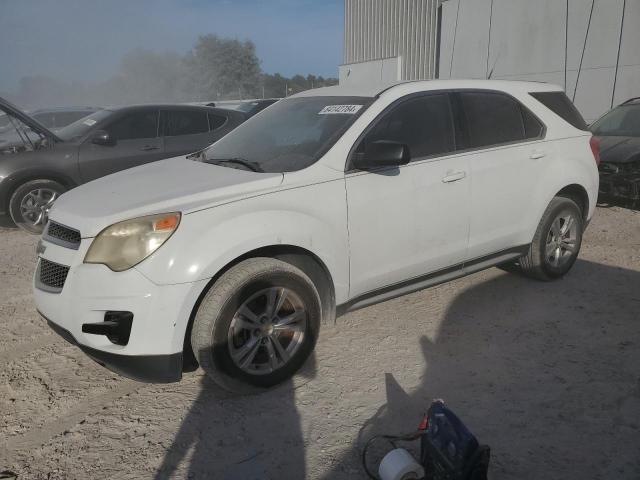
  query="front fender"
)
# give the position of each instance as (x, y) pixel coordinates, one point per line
(312, 218)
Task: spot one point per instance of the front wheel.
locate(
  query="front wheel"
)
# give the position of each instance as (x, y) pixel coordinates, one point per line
(30, 203)
(557, 241)
(256, 325)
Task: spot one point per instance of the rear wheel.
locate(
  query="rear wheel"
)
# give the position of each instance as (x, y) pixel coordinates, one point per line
(30, 203)
(557, 241)
(256, 325)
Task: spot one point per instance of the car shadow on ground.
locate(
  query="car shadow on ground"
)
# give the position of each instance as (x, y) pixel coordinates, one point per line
(6, 222)
(545, 373)
(228, 437)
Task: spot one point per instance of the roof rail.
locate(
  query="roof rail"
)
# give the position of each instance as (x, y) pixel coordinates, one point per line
(630, 100)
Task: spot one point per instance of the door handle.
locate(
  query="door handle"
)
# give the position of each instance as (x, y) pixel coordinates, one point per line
(148, 148)
(536, 155)
(453, 177)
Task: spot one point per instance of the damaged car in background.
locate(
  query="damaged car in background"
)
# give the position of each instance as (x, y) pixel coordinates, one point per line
(39, 164)
(618, 132)
(52, 118)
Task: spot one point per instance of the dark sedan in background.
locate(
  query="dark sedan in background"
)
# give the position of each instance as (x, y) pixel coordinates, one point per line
(619, 134)
(36, 171)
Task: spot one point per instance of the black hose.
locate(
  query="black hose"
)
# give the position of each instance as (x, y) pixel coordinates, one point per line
(391, 439)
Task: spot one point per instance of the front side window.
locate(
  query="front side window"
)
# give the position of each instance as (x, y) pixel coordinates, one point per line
(622, 121)
(424, 124)
(492, 119)
(136, 125)
(185, 122)
(288, 136)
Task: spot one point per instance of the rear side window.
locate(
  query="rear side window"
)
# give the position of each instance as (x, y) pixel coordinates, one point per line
(424, 124)
(494, 118)
(216, 121)
(185, 122)
(135, 125)
(560, 104)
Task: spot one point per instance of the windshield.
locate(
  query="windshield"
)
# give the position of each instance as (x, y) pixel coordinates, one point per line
(288, 136)
(80, 128)
(622, 121)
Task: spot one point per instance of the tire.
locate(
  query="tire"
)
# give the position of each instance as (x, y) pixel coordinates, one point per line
(556, 243)
(30, 203)
(221, 335)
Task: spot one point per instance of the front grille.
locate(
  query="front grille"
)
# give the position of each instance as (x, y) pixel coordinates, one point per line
(62, 235)
(52, 275)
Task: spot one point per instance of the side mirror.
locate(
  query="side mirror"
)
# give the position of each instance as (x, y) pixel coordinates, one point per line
(382, 153)
(102, 137)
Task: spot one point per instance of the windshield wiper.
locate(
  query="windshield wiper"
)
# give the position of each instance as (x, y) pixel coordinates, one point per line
(253, 166)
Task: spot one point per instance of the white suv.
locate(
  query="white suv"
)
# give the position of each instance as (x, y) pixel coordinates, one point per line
(327, 201)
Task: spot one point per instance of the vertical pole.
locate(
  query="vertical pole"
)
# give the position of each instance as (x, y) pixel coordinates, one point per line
(584, 48)
(453, 46)
(615, 76)
(566, 42)
(489, 39)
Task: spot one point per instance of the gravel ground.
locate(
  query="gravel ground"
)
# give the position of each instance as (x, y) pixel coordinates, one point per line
(545, 373)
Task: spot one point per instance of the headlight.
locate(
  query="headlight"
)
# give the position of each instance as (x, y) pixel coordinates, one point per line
(125, 244)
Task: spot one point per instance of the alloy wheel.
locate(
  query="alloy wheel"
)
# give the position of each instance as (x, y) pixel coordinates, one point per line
(562, 239)
(267, 330)
(35, 206)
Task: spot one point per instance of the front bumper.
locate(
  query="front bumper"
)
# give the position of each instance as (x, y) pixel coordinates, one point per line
(144, 368)
(153, 350)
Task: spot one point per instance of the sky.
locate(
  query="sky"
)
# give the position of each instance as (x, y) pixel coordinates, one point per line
(85, 40)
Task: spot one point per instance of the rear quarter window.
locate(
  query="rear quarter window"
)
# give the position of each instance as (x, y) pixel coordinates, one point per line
(559, 103)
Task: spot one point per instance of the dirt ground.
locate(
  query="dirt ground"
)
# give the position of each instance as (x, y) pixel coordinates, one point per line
(547, 374)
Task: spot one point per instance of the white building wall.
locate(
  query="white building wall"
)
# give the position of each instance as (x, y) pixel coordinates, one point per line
(525, 40)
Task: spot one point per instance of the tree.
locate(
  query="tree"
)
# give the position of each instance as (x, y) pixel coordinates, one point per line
(223, 68)
(146, 77)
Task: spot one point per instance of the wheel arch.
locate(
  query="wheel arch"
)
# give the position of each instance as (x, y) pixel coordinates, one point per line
(299, 257)
(578, 194)
(14, 181)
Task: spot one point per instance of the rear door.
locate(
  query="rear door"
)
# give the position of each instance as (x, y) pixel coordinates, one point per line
(136, 142)
(413, 220)
(190, 130)
(506, 154)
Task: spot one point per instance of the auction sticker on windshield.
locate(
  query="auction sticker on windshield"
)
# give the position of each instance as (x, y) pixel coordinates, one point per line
(348, 109)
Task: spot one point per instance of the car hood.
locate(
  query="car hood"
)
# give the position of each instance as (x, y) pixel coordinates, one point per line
(35, 125)
(173, 185)
(619, 149)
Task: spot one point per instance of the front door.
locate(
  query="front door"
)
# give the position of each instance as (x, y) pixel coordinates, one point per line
(136, 142)
(413, 220)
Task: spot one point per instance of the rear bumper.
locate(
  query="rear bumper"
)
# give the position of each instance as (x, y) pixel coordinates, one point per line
(144, 368)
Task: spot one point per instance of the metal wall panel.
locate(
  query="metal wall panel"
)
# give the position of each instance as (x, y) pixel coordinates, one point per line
(378, 29)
